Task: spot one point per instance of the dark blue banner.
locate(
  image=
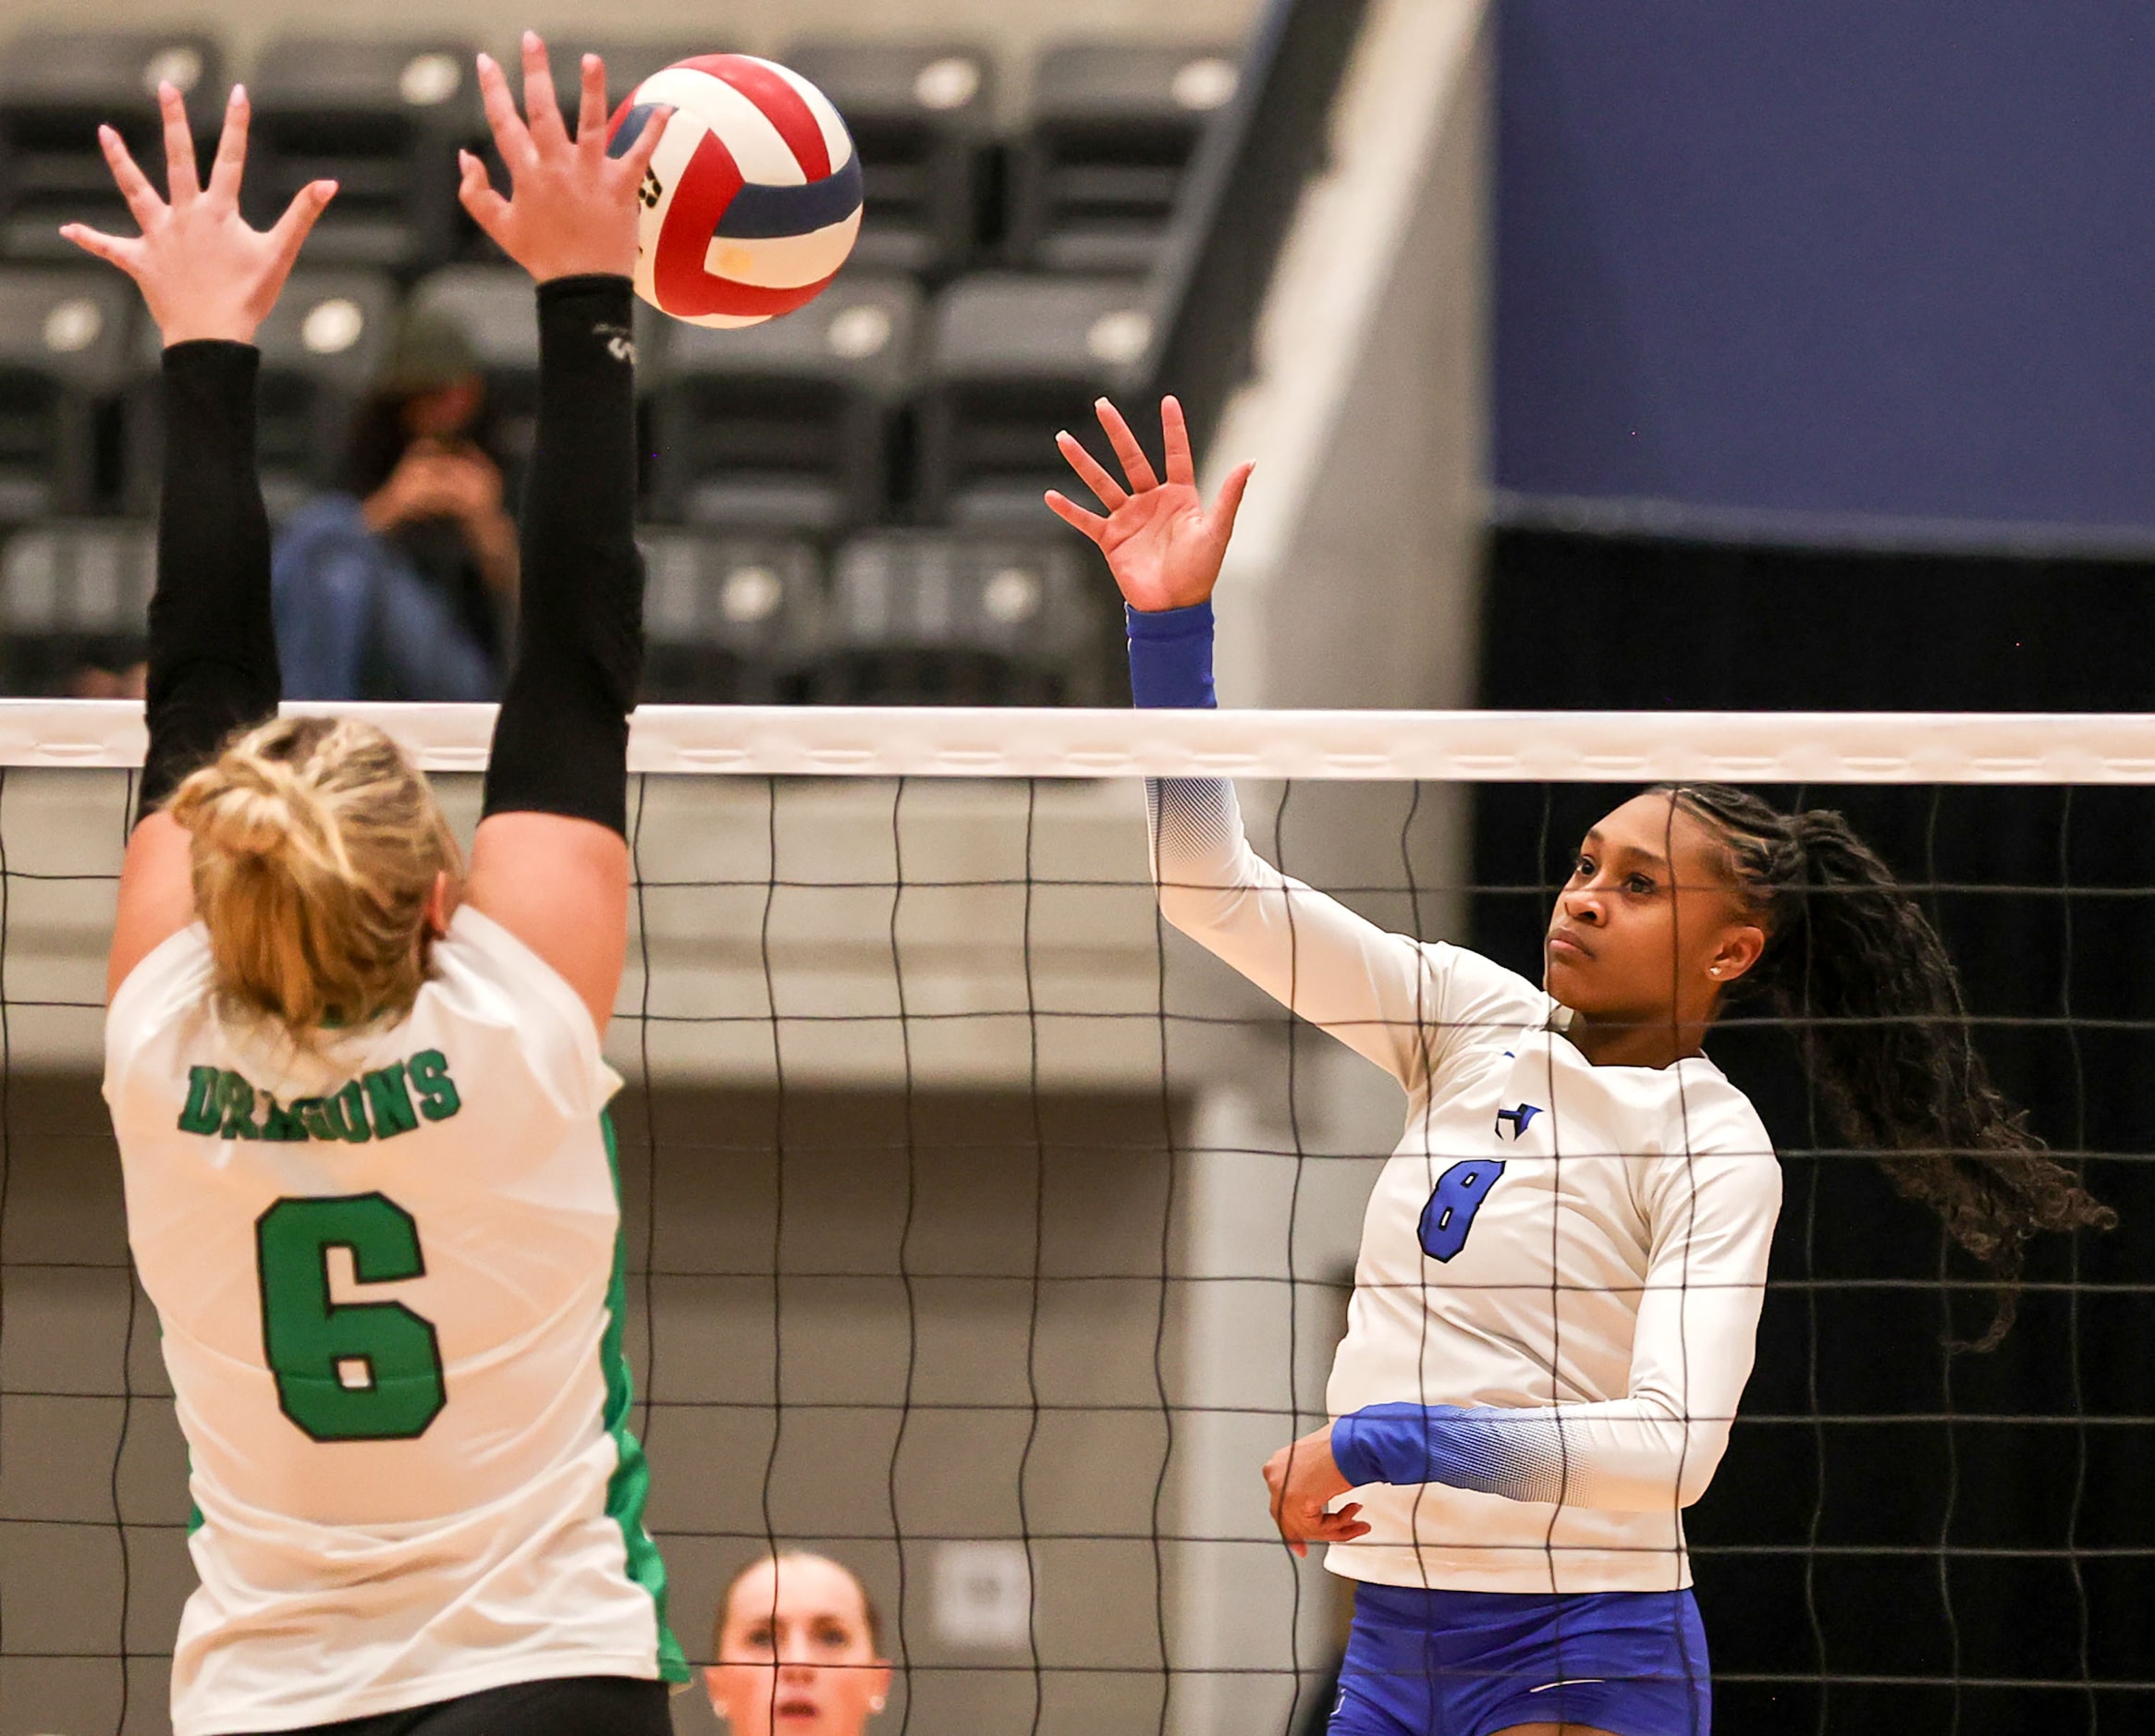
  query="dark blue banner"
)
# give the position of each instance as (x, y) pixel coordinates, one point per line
(1859, 269)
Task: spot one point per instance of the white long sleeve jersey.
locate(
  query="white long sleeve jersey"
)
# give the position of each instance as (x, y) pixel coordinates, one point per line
(1581, 1249)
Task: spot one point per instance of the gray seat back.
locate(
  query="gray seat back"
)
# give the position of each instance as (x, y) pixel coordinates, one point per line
(65, 339)
(921, 115)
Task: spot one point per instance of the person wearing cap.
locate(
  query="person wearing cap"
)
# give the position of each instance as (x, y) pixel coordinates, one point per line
(401, 585)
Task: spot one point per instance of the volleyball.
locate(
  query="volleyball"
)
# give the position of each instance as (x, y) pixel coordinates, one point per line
(752, 202)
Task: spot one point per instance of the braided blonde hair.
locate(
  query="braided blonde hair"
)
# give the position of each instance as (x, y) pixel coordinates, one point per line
(316, 848)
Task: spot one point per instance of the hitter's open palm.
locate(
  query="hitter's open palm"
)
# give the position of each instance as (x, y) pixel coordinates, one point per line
(1163, 544)
(201, 269)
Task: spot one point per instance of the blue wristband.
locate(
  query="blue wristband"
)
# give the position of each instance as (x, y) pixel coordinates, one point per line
(1171, 658)
(1354, 1453)
(1413, 1443)
(1516, 1454)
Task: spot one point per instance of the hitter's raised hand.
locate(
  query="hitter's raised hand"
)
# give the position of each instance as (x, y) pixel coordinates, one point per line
(1162, 544)
(573, 208)
(201, 269)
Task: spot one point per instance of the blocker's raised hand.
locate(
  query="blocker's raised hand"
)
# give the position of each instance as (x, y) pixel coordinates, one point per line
(571, 209)
(202, 271)
(1162, 544)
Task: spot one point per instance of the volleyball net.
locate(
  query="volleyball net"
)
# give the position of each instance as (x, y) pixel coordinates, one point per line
(988, 1236)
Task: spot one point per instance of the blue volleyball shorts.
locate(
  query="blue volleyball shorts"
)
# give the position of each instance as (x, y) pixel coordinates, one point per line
(1454, 1663)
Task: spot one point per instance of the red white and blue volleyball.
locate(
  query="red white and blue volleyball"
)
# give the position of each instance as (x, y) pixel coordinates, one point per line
(753, 198)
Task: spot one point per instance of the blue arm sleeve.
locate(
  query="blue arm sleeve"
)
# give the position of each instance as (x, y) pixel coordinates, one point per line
(1517, 1454)
(1171, 658)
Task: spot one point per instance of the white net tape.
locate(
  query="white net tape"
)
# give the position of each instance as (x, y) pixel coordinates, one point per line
(1438, 747)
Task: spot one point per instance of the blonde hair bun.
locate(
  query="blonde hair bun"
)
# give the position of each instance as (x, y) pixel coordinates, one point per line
(316, 847)
(240, 822)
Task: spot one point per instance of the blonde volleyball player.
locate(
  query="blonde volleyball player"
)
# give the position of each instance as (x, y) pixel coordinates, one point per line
(1563, 1263)
(358, 1092)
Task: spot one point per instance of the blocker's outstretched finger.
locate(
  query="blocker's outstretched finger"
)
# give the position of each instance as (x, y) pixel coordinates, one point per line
(541, 105)
(181, 185)
(637, 157)
(113, 250)
(292, 230)
(511, 137)
(143, 204)
(488, 209)
(230, 162)
(590, 112)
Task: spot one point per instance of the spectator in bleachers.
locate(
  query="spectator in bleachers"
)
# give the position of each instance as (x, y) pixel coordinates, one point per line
(404, 586)
(800, 1649)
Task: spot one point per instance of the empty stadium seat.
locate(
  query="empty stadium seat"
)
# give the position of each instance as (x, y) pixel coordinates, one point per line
(320, 350)
(727, 620)
(64, 361)
(921, 616)
(1012, 360)
(785, 424)
(321, 346)
(57, 87)
(71, 595)
(1113, 129)
(920, 115)
(384, 120)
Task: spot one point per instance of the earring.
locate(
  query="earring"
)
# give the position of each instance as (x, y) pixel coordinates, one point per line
(876, 1704)
(1713, 969)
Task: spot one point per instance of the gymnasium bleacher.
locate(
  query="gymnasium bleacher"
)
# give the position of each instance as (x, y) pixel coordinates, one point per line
(842, 506)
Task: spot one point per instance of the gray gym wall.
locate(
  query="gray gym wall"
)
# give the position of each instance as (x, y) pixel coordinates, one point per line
(851, 1463)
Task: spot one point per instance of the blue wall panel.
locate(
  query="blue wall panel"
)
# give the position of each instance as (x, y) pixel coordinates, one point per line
(1829, 257)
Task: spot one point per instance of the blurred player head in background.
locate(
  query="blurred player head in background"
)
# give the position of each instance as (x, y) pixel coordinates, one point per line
(800, 1649)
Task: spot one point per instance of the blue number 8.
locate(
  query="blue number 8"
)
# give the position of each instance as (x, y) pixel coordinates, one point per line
(1459, 1195)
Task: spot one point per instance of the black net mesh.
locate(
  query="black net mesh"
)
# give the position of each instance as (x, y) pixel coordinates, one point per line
(988, 1237)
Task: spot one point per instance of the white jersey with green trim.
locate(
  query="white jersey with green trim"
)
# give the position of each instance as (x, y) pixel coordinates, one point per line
(389, 1279)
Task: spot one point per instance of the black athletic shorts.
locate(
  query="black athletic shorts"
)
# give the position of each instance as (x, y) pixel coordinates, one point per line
(576, 1705)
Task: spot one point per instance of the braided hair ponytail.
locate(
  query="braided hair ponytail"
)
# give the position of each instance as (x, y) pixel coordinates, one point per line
(1854, 963)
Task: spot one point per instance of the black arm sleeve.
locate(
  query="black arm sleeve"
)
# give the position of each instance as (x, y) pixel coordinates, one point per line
(212, 642)
(561, 744)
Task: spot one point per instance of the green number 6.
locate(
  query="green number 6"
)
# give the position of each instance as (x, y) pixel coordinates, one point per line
(346, 1371)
